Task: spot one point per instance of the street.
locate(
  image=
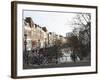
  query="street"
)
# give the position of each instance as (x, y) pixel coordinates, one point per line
(68, 64)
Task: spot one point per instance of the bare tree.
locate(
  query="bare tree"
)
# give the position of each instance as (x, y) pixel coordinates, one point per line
(81, 24)
(84, 22)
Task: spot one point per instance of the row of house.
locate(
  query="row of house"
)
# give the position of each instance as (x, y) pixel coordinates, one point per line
(37, 36)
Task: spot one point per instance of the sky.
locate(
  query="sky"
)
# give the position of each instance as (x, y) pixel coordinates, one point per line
(58, 22)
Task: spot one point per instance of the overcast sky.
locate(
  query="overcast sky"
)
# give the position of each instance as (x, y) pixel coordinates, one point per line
(54, 21)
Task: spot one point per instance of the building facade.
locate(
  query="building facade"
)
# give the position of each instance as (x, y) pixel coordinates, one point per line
(39, 37)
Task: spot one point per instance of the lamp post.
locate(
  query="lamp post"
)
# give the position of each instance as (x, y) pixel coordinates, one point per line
(25, 44)
(38, 49)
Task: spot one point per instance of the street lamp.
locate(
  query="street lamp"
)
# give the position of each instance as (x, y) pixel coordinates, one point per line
(25, 42)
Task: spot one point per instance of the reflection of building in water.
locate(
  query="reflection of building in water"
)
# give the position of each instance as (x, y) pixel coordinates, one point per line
(66, 57)
(39, 37)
